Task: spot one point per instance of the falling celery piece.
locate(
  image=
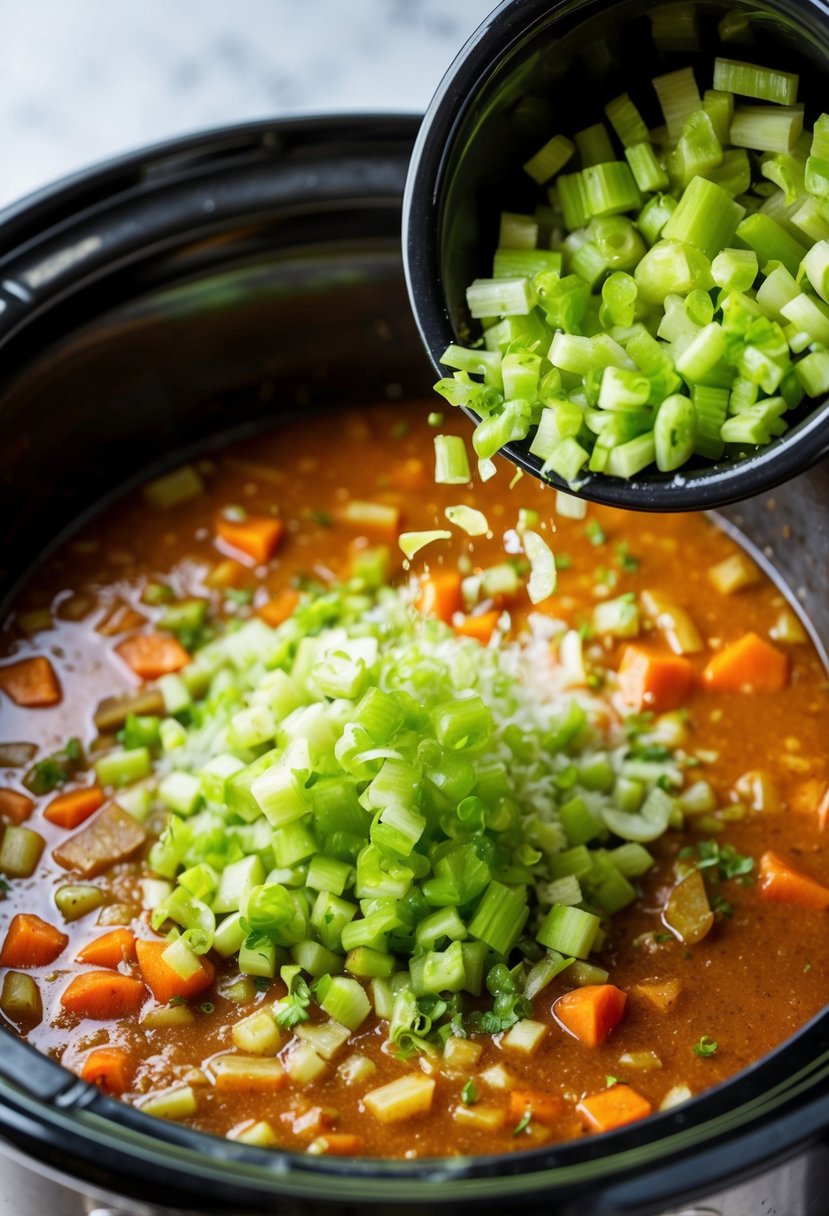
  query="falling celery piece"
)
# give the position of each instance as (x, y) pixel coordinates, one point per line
(412, 542)
(626, 121)
(542, 580)
(468, 519)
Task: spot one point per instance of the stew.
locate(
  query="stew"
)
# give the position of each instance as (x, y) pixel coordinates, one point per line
(316, 846)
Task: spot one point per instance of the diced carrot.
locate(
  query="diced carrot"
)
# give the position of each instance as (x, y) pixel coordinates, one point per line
(257, 536)
(592, 1012)
(112, 1068)
(612, 1108)
(109, 950)
(163, 981)
(661, 994)
(280, 607)
(71, 809)
(31, 942)
(440, 595)
(151, 655)
(14, 807)
(339, 1144)
(751, 664)
(546, 1108)
(780, 882)
(650, 679)
(103, 995)
(480, 626)
(409, 474)
(31, 683)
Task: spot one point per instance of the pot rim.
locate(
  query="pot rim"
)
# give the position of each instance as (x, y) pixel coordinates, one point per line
(48, 1113)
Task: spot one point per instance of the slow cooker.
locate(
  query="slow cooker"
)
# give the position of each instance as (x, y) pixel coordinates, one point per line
(212, 287)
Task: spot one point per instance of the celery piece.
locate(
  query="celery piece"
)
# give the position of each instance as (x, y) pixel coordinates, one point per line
(766, 128)
(735, 269)
(674, 431)
(711, 406)
(451, 461)
(500, 917)
(648, 173)
(698, 150)
(500, 297)
(816, 178)
(173, 488)
(20, 851)
(617, 241)
(594, 145)
(749, 80)
(719, 106)
(756, 425)
(809, 217)
(679, 98)
(702, 353)
(610, 189)
(589, 263)
(816, 268)
(706, 217)
(733, 173)
(630, 458)
(674, 267)
(549, 159)
(622, 389)
(812, 372)
(524, 263)
(809, 314)
(654, 216)
(573, 200)
(626, 121)
(119, 768)
(569, 931)
(567, 459)
(517, 232)
(619, 292)
(495, 432)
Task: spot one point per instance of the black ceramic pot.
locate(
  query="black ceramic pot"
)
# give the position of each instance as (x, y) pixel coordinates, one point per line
(534, 68)
(149, 310)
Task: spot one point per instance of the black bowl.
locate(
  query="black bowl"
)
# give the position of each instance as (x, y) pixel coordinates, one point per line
(533, 68)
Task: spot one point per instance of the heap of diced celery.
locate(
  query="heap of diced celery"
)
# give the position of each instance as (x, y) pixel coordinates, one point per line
(669, 297)
(361, 794)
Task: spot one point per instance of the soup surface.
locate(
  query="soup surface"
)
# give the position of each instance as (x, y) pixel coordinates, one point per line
(696, 691)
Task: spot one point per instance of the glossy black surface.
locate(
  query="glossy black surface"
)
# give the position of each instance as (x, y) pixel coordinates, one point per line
(287, 295)
(533, 68)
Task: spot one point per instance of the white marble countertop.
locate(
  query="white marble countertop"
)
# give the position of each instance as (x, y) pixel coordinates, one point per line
(83, 80)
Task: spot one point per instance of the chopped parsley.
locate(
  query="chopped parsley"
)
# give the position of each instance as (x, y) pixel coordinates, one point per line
(469, 1093)
(595, 533)
(524, 1122)
(293, 1008)
(706, 1047)
(55, 770)
(625, 558)
(723, 859)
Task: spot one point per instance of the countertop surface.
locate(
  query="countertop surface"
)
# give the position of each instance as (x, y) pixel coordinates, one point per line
(87, 80)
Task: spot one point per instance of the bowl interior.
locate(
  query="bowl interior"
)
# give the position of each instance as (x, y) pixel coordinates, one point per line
(533, 70)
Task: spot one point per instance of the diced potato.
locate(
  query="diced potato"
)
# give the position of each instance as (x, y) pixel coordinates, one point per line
(756, 788)
(788, 629)
(253, 1074)
(661, 994)
(163, 1017)
(484, 1118)
(258, 1035)
(357, 1069)
(302, 1063)
(402, 1099)
(642, 1061)
(259, 1133)
(809, 796)
(674, 622)
(675, 1095)
(326, 1038)
(112, 836)
(617, 618)
(461, 1055)
(177, 1103)
(498, 1077)
(582, 973)
(734, 573)
(525, 1037)
(687, 912)
(20, 999)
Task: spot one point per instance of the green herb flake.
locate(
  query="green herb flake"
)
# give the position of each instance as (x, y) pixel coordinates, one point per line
(524, 1122)
(469, 1093)
(706, 1047)
(207, 1007)
(595, 533)
(625, 559)
(563, 561)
